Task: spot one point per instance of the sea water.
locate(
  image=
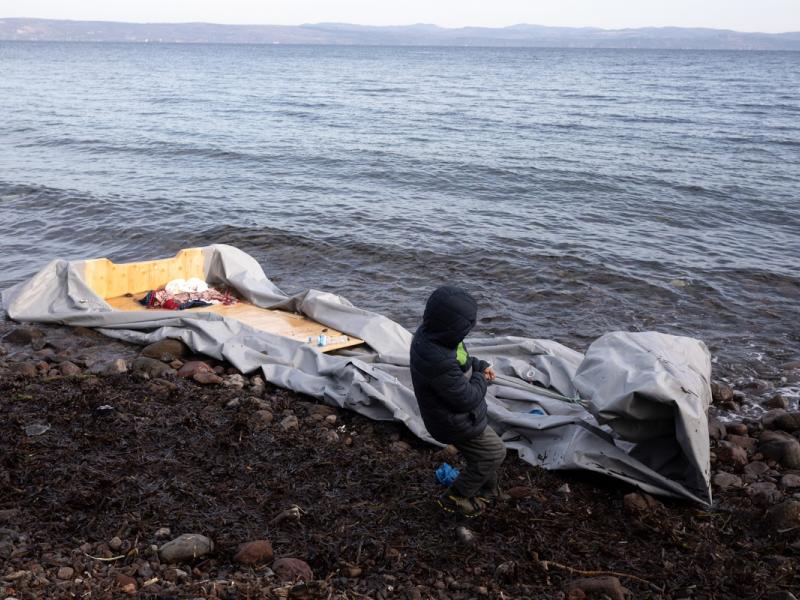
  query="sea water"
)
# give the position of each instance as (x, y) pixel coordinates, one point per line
(574, 192)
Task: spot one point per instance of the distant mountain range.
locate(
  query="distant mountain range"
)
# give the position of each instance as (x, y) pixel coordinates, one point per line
(409, 35)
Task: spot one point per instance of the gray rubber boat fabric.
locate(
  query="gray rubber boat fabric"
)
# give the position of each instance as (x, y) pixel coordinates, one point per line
(633, 408)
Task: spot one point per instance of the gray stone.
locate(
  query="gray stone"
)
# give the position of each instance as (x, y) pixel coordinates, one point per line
(779, 418)
(323, 410)
(289, 422)
(314, 420)
(259, 404)
(401, 447)
(601, 587)
(640, 502)
(126, 583)
(153, 368)
(69, 369)
(726, 480)
(188, 546)
(25, 369)
(716, 429)
(256, 552)
(165, 350)
(161, 387)
(207, 377)
(764, 493)
(62, 356)
(784, 516)
(353, 572)
(758, 386)
(111, 367)
(145, 571)
(777, 401)
(721, 392)
(192, 367)
(736, 428)
(756, 469)
(781, 447)
(235, 381)
(292, 570)
(790, 481)
(789, 421)
(330, 437)
(44, 354)
(262, 418)
(23, 335)
(729, 454)
(742, 441)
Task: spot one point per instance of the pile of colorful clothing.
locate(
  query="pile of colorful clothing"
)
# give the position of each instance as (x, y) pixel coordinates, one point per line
(180, 294)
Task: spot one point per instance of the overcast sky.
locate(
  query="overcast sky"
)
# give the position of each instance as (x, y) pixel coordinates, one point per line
(742, 15)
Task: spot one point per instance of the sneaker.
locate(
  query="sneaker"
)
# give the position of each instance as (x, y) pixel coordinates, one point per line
(493, 495)
(453, 503)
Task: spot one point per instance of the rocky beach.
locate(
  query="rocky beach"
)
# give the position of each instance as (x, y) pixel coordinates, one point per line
(151, 473)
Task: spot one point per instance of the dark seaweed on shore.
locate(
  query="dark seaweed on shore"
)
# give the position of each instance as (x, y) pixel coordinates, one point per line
(205, 460)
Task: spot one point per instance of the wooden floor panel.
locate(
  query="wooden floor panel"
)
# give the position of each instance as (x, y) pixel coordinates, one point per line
(279, 322)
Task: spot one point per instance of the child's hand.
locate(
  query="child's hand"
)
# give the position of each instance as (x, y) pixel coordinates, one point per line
(489, 374)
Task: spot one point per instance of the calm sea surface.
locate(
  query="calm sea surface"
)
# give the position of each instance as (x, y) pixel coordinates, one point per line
(573, 191)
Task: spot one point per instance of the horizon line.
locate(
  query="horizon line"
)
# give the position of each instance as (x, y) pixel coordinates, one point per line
(418, 24)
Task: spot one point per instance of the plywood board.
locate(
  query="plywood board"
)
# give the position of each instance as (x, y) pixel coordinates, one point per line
(279, 322)
(121, 285)
(110, 280)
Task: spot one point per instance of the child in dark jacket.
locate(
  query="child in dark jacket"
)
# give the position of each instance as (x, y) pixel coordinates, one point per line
(450, 387)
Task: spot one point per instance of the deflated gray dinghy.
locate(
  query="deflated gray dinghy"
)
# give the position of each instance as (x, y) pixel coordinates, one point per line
(633, 408)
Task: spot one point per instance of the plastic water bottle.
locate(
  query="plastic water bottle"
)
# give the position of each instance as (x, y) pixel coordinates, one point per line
(323, 340)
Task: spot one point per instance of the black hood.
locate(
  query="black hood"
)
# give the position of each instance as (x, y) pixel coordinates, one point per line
(450, 314)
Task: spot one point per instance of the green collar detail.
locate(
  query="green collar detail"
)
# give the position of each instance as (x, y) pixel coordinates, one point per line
(462, 356)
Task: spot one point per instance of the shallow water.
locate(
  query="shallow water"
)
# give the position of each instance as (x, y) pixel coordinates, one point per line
(573, 191)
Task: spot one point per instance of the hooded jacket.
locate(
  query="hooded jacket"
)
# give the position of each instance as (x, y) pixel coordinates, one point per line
(452, 405)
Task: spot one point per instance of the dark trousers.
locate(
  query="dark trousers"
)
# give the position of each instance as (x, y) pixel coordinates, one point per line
(484, 455)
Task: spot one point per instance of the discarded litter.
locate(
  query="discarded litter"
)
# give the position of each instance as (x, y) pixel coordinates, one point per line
(465, 536)
(324, 340)
(446, 475)
(36, 429)
(537, 411)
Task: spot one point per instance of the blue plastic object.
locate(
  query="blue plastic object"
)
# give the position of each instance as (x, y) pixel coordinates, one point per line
(446, 475)
(537, 411)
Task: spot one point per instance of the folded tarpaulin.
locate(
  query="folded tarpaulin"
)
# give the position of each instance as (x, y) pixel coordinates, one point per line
(633, 408)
